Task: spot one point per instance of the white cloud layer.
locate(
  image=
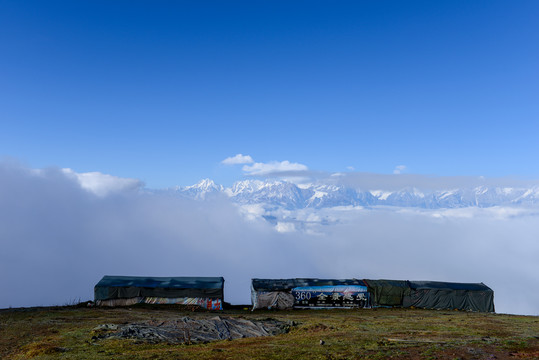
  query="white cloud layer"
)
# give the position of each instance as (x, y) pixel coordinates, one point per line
(399, 169)
(274, 168)
(282, 169)
(59, 239)
(238, 159)
(400, 181)
(103, 184)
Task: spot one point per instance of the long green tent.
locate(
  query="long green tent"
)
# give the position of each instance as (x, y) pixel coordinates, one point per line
(127, 290)
(279, 293)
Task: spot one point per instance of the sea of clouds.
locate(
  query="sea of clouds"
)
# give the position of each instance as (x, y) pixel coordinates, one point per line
(60, 232)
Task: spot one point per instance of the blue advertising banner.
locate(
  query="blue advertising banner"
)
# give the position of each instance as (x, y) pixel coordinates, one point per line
(339, 296)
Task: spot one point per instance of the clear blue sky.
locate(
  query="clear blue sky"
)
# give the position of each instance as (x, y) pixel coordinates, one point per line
(163, 91)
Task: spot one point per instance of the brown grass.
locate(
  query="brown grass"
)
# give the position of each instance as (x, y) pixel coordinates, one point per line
(66, 333)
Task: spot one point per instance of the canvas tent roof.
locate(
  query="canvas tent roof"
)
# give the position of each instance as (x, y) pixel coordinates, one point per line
(416, 285)
(117, 287)
(289, 284)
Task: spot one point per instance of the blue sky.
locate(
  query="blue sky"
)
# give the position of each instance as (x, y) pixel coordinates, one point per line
(163, 91)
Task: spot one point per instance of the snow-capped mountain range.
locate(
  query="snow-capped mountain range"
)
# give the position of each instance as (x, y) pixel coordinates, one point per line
(287, 195)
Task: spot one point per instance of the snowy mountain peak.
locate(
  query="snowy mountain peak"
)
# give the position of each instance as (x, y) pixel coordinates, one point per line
(206, 185)
(287, 195)
(200, 190)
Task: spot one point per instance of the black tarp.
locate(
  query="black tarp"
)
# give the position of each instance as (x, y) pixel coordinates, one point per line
(389, 292)
(289, 284)
(124, 287)
(431, 294)
(446, 295)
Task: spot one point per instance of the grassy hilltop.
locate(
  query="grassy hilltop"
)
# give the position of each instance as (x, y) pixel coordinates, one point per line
(66, 333)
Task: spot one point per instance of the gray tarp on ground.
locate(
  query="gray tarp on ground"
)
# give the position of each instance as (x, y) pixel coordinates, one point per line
(191, 331)
(389, 292)
(125, 287)
(444, 295)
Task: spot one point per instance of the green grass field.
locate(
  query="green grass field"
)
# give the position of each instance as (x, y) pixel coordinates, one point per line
(66, 333)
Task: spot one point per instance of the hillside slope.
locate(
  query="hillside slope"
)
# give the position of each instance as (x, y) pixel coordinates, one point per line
(69, 333)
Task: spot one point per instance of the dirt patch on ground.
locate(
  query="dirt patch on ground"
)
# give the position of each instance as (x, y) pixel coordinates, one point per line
(187, 330)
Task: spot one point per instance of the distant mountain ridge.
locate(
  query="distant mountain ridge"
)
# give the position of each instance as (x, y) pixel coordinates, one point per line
(320, 195)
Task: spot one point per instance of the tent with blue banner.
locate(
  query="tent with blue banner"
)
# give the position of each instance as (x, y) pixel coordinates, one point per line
(308, 293)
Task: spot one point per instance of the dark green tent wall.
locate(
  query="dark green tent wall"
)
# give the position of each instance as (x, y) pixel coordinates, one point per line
(389, 292)
(444, 295)
(431, 295)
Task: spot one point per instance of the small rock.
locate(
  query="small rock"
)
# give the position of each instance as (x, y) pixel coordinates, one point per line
(106, 327)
